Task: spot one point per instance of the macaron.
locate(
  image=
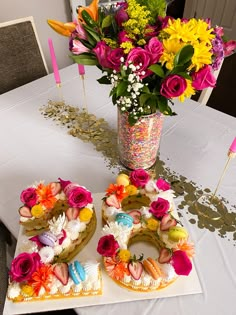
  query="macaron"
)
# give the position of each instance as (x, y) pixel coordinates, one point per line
(77, 272)
(48, 239)
(125, 219)
(152, 268)
(122, 179)
(177, 233)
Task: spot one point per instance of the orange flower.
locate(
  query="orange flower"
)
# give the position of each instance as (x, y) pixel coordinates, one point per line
(188, 248)
(116, 269)
(41, 278)
(118, 190)
(45, 196)
(92, 10)
(64, 29)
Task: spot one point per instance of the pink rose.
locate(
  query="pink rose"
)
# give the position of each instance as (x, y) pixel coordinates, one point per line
(181, 263)
(173, 86)
(23, 266)
(102, 50)
(29, 197)
(159, 207)
(107, 245)
(162, 184)
(139, 57)
(229, 47)
(203, 78)
(121, 15)
(139, 178)
(123, 37)
(114, 58)
(155, 48)
(78, 197)
(78, 48)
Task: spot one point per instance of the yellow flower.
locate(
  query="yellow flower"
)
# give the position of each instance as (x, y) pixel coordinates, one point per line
(37, 211)
(27, 290)
(131, 190)
(188, 92)
(152, 224)
(127, 46)
(110, 42)
(201, 57)
(171, 47)
(124, 255)
(85, 214)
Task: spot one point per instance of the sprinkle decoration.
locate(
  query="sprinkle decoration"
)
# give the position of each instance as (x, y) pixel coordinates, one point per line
(138, 145)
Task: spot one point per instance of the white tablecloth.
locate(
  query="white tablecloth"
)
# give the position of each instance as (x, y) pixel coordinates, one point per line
(194, 144)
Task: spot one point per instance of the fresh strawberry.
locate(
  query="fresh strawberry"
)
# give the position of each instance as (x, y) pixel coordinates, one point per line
(166, 222)
(61, 272)
(56, 188)
(135, 268)
(112, 201)
(164, 255)
(136, 215)
(25, 212)
(72, 213)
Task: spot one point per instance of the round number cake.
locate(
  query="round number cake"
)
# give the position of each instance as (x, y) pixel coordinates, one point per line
(58, 220)
(138, 208)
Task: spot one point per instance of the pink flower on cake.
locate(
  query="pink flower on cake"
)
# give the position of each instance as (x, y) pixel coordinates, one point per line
(23, 266)
(107, 245)
(181, 263)
(139, 178)
(29, 197)
(204, 78)
(79, 197)
(159, 207)
(162, 184)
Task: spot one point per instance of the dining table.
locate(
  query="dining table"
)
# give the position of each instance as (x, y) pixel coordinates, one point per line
(193, 154)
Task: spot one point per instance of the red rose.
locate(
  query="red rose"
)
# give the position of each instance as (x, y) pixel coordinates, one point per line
(107, 245)
(139, 178)
(173, 86)
(78, 197)
(159, 208)
(29, 197)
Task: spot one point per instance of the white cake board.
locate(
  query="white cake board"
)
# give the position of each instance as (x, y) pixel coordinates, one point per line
(112, 293)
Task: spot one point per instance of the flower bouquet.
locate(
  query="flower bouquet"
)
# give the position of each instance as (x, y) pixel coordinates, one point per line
(148, 58)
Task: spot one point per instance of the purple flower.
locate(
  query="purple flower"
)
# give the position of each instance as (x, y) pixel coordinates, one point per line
(218, 52)
(173, 86)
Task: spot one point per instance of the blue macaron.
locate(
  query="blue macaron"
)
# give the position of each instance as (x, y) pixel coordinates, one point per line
(125, 219)
(77, 272)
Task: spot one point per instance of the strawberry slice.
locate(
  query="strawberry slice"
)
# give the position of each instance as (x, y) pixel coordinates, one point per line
(72, 213)
(167, 221)
(25, 212)
(136, 269)
(136, 215)
(112, 201)
(61, 272)
(164, 255)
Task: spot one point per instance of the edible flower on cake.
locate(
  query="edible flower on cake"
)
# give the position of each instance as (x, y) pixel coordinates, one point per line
(140, 208)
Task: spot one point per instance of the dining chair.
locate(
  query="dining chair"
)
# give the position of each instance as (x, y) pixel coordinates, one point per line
(21, 55)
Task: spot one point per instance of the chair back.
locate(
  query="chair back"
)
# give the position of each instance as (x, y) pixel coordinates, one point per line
(21, 56)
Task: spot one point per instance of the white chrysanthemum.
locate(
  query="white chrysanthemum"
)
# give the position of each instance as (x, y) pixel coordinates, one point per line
(119, 231)
(151, 186)
(73, 226)
(145, 212)
(56, 225)
(13, 290)
(28, 246)
(111, 212)
(47, 254)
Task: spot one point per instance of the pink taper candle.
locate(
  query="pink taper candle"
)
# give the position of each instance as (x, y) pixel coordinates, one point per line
(81, 69)
(54, 62)
(233, 146)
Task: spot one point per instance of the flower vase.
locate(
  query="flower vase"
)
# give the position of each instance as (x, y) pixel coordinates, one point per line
(138, 144)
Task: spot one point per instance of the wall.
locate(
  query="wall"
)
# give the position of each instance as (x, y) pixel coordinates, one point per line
(41, 10)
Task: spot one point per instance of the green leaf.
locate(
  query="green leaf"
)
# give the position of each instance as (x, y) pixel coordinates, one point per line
(185, 75)
(144, 98)
(85, 59)
(87, 18)
(104, 80)
(121, 88)
(92, 33)
(157, 69)
(184, 55)
(106, 21)
(162, 104)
